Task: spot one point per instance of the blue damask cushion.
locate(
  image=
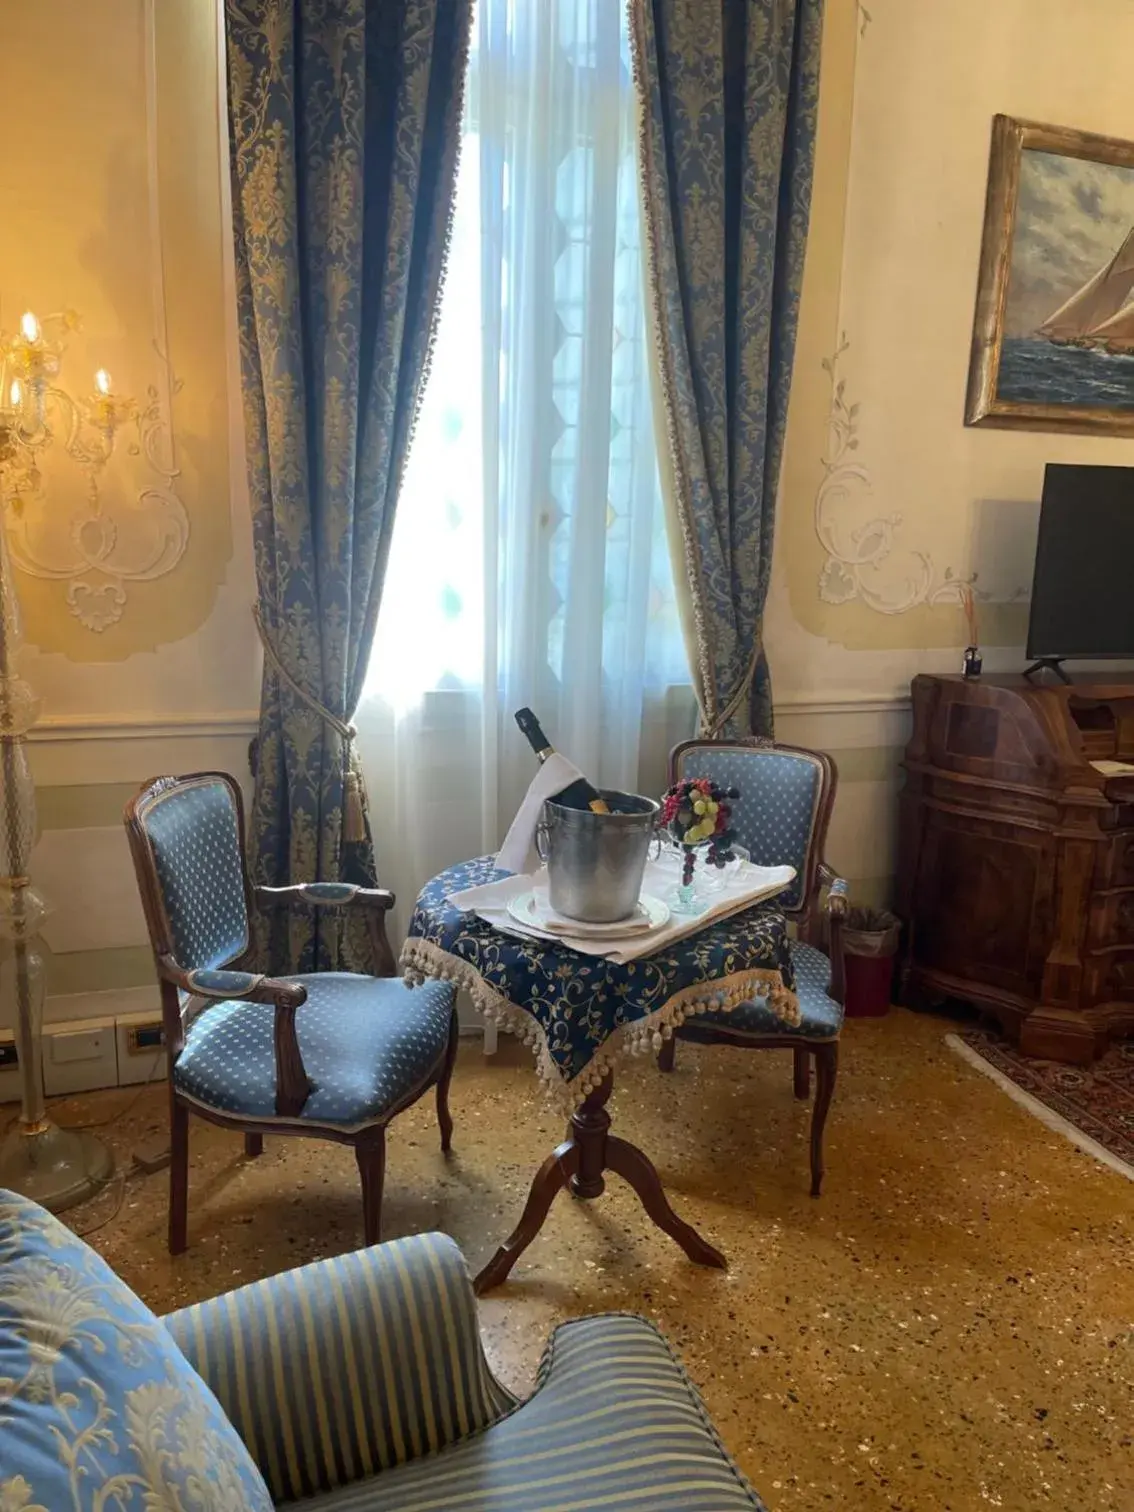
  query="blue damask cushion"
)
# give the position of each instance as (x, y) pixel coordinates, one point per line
(196, 844)
(820, 1016)
(99, 1409)
(775, 814)
(366, 1043)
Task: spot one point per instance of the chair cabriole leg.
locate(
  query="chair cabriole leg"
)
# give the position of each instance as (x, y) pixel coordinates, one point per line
(178, 1176)
(370, 1154)
(826, 1069)
(444, 1117)
(802, 1068)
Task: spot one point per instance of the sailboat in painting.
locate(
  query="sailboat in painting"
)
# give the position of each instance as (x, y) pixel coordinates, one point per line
(1098, 317)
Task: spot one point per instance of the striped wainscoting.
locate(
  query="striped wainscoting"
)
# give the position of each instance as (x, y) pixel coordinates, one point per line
(96, 953)
(867, 739)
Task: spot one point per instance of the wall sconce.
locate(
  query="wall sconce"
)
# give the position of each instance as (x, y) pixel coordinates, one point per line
(100, 547)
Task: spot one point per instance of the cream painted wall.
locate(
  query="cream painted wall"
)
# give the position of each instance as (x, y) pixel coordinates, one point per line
(913, 91)
(908, 94)
(113, 186)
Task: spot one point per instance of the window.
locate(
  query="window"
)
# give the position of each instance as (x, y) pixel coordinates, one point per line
(529, 562)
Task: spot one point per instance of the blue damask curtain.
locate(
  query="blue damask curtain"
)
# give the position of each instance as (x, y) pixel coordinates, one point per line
(345, 124)
(729, 92)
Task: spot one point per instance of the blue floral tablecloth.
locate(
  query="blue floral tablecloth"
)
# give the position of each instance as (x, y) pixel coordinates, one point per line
(579, 1011)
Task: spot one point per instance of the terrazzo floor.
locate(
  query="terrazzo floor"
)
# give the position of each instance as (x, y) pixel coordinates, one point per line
(951, 1326)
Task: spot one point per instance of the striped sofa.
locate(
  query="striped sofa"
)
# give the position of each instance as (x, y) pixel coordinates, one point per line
(357, 1384)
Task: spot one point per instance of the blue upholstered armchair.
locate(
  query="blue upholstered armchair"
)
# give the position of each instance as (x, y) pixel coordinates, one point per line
(781, 818)
(333, 1055)
(354, 1385)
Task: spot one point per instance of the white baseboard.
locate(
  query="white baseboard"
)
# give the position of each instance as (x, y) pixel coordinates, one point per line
(113, 1003)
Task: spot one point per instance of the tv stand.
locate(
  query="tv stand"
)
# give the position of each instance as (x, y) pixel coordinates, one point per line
(1048, 664)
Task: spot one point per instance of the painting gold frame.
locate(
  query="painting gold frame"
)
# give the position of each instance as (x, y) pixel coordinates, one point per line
(1010, 137)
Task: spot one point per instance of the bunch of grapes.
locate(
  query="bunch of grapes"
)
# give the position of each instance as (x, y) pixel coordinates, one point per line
(697, 812)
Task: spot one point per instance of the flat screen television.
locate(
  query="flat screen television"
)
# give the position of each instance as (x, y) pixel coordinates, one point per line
(1083, 589)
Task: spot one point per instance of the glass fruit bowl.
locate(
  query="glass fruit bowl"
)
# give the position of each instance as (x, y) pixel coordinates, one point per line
(696, 895)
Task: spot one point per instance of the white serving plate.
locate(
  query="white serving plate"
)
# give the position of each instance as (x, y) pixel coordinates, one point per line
(532, 909)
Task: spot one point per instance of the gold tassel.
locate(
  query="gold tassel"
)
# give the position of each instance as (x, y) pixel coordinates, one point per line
(354, 806)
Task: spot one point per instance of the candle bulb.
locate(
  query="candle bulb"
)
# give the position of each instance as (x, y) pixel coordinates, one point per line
(102, 382)
(29, 326)
(16, 394)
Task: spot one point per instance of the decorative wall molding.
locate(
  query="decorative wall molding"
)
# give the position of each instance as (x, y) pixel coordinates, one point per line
(867, 560)
(66, 727)
(849, 703)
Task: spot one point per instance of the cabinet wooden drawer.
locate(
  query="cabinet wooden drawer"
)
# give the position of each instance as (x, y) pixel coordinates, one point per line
(1116, 861)
(981, 903)
(1111, 919)
(1108, 976)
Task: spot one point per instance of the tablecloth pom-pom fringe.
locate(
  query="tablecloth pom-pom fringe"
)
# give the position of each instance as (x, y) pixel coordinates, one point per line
(636, 1039)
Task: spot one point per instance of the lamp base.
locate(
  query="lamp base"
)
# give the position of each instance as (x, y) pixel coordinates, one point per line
(55, 1167)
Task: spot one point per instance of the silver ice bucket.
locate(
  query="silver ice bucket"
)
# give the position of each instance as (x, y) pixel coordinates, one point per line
(595, 862)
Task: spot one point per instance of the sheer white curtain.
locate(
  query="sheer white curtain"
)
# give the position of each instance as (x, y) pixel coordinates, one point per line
(529, 563)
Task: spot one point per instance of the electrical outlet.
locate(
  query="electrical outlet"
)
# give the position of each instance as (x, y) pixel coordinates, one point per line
(9, 1068)
(141, 1048)
(79, 1056)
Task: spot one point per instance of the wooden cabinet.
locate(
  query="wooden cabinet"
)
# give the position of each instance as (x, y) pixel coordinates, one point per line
(1016, 870)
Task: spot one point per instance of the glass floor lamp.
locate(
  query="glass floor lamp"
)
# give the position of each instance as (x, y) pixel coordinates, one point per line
(54, 1166)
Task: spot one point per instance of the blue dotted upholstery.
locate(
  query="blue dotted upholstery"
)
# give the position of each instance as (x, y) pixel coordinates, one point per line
(366, 1043)
(821, 1017)
(776, 813)
(196, 846)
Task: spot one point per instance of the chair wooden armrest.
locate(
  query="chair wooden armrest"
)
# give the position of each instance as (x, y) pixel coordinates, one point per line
(838, 903)
(377, 901)
(837, 908)
(293, 1086)
(327, 895)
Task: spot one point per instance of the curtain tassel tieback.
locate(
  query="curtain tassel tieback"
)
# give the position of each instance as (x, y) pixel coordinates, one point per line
(714, 729)
(354, 802)
(354, 784)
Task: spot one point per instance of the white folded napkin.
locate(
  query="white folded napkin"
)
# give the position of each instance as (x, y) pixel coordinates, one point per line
(518, 853)
(748, 885)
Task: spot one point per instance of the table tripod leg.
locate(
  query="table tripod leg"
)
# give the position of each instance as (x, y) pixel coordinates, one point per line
(627, 1161)
(552, 1176)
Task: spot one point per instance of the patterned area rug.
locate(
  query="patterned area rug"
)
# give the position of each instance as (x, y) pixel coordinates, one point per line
(1092, 1105)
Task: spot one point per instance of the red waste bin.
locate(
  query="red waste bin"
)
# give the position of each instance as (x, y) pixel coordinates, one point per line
(869, 942)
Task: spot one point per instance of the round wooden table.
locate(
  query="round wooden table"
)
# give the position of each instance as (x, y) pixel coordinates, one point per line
(579, 1013)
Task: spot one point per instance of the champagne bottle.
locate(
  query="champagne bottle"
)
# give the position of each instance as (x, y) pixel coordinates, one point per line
(578, 794)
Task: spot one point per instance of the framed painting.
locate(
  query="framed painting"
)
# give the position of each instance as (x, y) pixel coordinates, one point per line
(1053, 337)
